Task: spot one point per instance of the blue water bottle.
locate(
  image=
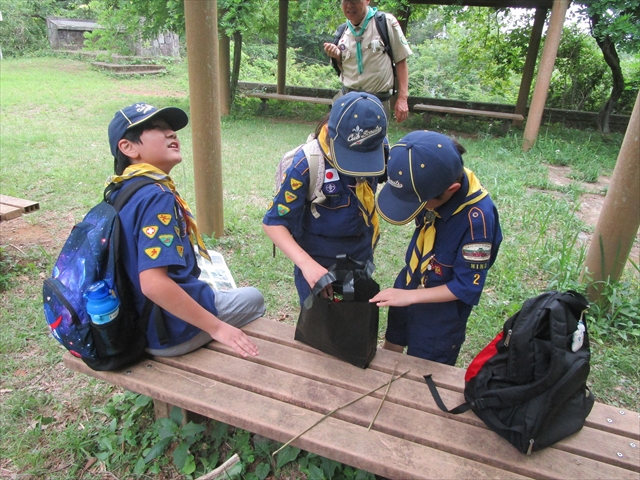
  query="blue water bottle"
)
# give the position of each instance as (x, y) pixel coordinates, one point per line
(102, 305)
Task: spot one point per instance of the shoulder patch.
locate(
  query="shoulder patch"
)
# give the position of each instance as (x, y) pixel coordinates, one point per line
(476, 252)
(150, 231)
(153, 252)
(477, 224)
(165, 218)
(295, 184)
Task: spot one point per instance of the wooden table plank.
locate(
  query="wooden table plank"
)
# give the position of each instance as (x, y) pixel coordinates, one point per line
(7, 212)
(440, 431)
(373, 451)
(603, 417)
(26, 206)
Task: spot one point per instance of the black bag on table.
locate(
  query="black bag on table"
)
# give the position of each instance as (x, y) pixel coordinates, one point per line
(529, 383)
(345, 328)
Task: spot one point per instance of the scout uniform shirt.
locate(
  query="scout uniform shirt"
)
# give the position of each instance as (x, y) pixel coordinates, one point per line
(465, 246)
(155, 233)
(377, 76)
(340, 227)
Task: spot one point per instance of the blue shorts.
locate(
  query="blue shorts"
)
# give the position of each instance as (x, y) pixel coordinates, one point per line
(433, 331)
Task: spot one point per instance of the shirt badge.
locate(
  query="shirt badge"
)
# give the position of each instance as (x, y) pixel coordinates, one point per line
(150, 231)
(330, 187)
(164, 218)
(167, 239)
(180, 250)
(176, 229)
(289, 197)
(331, 175)
(476, 252)
(295, 184)
(283, 210)
(153, 252)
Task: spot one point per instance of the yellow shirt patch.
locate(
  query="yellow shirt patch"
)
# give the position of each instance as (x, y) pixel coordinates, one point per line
(150, 231)
(180, 250)
(295, 184)
(164, 218)
(289, 197)
(153, 252)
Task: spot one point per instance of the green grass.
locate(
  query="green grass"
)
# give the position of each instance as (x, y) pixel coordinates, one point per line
(54, 114)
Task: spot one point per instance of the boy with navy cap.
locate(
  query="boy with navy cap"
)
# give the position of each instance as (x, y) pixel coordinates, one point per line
(161, 238)
(455, 242)
(311, 232)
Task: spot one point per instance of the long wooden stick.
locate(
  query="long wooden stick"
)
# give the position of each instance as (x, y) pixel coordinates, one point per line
(384, 397)
(222, 469)
(336, 409)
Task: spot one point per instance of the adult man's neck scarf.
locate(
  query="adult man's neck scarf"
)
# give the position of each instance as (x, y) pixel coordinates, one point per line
(421, 255)
(358, 34)
(364, 193)
(147, 170)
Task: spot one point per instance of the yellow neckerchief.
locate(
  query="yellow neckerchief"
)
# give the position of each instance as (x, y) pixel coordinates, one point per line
(364, 192)
(424, 244)
(146, 170)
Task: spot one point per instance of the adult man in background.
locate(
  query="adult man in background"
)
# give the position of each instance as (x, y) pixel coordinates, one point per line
(366, 62)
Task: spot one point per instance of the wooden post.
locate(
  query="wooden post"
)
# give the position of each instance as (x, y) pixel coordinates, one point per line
(619, 219)
(549, 52)
(224, 49)
(202, 54)
(282, 46)
(530, 63)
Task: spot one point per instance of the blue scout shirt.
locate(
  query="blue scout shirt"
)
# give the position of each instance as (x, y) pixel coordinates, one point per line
(155, 235)
(340, 228)
(466, 245)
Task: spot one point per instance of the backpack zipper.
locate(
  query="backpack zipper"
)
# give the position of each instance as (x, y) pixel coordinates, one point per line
(508, 339)
(75, 318)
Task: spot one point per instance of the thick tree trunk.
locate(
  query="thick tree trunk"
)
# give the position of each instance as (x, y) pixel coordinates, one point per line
(237, 55)
(611, 57)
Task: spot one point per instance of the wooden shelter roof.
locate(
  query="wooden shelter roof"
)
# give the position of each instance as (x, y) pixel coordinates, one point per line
(489, 3)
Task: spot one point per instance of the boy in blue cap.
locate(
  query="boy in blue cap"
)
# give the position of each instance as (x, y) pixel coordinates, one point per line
(353, 149)
(455, 242)
(161, 238)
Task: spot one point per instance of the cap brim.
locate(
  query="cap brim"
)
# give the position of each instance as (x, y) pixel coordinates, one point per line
(394, 210)
(175, 117)
(358, 163)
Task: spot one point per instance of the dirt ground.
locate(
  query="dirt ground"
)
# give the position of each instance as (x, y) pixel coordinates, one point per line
(22, 234)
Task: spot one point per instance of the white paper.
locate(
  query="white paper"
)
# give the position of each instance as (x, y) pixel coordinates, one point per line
(215, 273)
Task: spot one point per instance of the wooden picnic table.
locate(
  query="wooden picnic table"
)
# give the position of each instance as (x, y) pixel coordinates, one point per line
(290, 386)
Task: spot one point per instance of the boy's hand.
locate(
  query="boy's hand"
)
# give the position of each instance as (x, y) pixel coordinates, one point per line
(236, 339)
(394, 297)
(314, 272)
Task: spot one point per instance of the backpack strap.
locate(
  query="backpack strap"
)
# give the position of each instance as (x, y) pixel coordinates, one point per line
(383, 31)
(315, 159)
(463, 407)
(336, 40)
(129, 188)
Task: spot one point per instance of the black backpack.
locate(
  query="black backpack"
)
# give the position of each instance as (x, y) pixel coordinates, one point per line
(529, 384)
(381, 25)
(91, 253)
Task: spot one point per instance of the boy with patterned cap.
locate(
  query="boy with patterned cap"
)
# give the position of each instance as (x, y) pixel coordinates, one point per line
(455, 242)
(311, 232)
(161, 238)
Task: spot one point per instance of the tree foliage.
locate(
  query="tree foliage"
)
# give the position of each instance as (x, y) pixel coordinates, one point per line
(23, 29)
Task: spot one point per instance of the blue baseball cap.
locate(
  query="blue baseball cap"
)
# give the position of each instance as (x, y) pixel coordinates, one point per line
(421, 166)
(357, 129)
(138, 113)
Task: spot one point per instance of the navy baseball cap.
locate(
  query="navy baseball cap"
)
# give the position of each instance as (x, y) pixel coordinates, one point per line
(138, 113)
(357, 129)
(421, 166)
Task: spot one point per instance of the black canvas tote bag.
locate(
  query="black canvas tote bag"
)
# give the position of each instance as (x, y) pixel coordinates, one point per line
(346, 326)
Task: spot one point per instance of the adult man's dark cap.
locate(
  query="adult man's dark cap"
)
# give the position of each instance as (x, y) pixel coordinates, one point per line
(138, 113)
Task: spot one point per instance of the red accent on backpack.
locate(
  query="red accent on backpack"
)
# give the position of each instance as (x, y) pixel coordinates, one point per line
(482, 357)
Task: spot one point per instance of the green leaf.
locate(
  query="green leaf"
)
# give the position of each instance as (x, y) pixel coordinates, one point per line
(180, 455)
(141, 401)
(316, 473)
(288, 454)
(176, 415)
(189, 466)
(158, 449)
(140, 466)
(191, 429)
(262, 470)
